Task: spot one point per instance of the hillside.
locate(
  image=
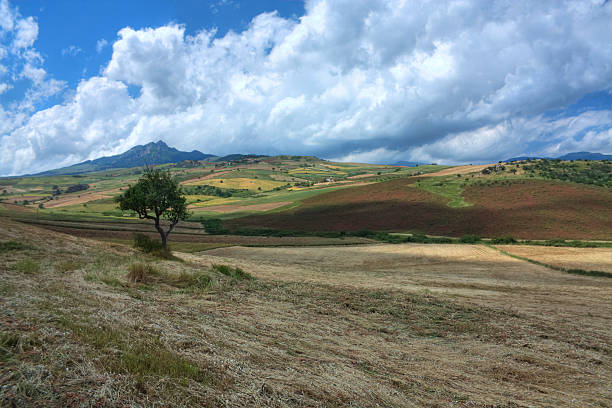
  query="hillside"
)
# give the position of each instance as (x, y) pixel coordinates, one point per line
(369, 326)
(568, 156)
(138, 156)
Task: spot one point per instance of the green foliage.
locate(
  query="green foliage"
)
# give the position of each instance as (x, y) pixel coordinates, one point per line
(598, 173)
(145, 243)
(156, 196)
(151, 246)
(6, 246)
(214, 226)
(218, 191)
(469, 239)
(599, 274)
(236, 273)
(503, 240)
(193, 282)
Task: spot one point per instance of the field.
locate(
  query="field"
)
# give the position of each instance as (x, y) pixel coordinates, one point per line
(523, 208)
(375, 325)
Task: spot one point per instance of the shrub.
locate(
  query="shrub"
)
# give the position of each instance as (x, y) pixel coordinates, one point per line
(151, 246)
(503, 240)
(141, 273)
(469, 239)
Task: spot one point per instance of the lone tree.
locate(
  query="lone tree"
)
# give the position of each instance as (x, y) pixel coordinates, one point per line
(156, 196)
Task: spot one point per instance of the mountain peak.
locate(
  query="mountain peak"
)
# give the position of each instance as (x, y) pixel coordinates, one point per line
(150, 154)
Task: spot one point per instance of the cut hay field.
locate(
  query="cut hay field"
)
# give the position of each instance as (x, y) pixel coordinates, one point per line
(523, 208)
(589, 259)
(381, 325)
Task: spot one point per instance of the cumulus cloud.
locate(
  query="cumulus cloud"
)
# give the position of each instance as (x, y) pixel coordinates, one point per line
(378, 80)
(19, 62)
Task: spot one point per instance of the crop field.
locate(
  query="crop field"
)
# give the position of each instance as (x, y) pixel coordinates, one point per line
(526, 208)
(377, 325)
(244, 183)
(589, 259)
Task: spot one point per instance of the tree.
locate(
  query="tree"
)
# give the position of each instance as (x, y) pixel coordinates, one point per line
(156, 196)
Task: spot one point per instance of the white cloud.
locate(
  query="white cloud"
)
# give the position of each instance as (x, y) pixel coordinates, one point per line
(72, 51)
(100, 45)
(372, 79)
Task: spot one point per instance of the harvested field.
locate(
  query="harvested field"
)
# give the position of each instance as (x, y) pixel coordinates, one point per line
(238, 208)
(383, 325)
(457, 170)
(195, 181)
(80, 198)
(529, 209)
(589, 259)
(361, 176)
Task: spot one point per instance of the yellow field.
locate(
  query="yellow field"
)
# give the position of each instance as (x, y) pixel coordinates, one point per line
(242, 183)
(214, 201)
(315, 171)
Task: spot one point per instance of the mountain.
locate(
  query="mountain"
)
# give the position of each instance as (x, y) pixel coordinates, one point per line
(569, 156)
(141, 155)
(407, 163)
(585, 156)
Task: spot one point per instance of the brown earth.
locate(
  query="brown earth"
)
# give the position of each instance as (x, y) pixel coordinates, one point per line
(529, 209)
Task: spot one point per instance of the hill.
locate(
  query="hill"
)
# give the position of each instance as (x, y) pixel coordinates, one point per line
(569, 156)
(141, 155)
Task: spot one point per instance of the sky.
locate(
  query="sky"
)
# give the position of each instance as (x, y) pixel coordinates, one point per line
(379, 81)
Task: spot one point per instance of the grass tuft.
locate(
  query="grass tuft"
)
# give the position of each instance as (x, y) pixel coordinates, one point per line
(27, 266)
(236, 273)
(142, 273)
(6, 246)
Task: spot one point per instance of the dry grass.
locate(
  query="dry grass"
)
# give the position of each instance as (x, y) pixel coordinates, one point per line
(230, 208)
(589, 259)
(382, 325)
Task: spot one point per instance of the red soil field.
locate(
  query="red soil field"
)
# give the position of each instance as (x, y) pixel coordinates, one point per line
(528, 209)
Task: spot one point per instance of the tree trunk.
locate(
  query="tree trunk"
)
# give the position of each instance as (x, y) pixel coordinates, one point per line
(162, 233)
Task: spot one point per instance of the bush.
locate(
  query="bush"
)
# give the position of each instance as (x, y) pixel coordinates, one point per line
(504, 240)
(469, 239)
(151, 246)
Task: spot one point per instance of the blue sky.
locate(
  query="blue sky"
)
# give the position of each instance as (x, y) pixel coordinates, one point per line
(76, 36)
(355, 80)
